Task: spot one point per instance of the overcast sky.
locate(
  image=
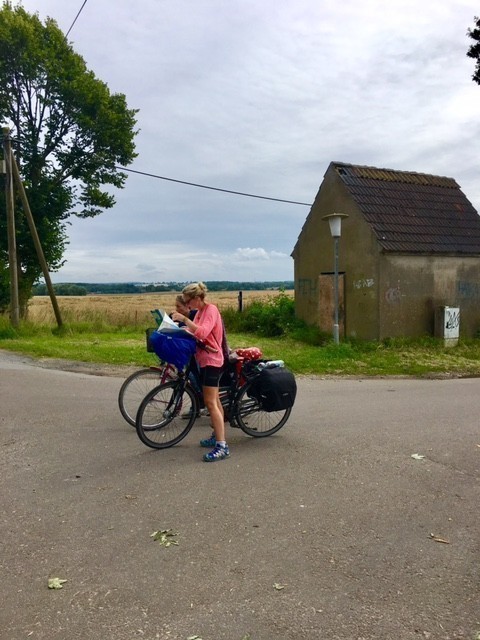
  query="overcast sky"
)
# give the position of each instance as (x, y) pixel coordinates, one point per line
(259, 96)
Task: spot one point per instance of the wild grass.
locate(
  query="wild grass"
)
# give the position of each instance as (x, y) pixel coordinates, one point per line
(124, 310)
(111, 330)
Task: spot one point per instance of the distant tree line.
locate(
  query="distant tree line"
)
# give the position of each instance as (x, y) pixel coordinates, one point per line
(85, 288)
(60, 290)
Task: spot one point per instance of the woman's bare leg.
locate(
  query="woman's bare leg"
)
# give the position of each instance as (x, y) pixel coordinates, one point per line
(211, 397)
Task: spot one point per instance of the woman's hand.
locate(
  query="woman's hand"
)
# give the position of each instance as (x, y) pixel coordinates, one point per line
(178, 317)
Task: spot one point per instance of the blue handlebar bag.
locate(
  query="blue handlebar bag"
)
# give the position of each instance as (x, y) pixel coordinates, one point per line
(174, 349)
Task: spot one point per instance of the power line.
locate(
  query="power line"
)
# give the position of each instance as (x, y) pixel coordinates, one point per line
(76, 18)
(194, 184)
(204, 186)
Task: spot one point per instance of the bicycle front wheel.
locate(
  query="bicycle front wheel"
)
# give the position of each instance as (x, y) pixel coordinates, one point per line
(166, 415)
(136, 387)
(253, 420)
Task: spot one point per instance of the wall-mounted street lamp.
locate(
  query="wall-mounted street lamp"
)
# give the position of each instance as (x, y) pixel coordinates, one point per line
(335, 222)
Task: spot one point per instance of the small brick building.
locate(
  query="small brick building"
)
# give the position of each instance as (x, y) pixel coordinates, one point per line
(410, 244)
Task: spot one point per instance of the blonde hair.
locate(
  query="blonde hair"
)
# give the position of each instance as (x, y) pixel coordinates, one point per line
(195, 290)
(180, 300)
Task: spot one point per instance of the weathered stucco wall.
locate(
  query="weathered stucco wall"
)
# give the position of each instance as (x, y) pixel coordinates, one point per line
(358, 258)
(413, 287)
(361, 258)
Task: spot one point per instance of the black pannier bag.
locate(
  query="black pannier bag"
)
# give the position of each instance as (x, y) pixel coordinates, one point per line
(275, 389)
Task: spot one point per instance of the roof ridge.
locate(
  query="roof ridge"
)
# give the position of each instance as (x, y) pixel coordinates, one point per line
(395, 175)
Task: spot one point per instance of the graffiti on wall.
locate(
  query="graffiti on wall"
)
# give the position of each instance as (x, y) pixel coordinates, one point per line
(363, 283)
(470, 290)
(393, 295)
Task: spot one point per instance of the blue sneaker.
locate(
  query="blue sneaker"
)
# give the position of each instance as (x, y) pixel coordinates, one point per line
(209, 442)
(219, 453)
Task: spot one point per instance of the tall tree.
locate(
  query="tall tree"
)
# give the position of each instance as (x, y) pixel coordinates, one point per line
(69, 134)
(474, 51)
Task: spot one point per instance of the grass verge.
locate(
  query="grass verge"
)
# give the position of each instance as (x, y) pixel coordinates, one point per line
(126, 346)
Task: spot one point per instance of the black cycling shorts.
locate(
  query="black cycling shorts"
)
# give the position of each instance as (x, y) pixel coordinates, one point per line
(210, 376)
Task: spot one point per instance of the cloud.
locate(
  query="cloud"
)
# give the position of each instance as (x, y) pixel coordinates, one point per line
(257, 254)
(260, 97)
(180, 262)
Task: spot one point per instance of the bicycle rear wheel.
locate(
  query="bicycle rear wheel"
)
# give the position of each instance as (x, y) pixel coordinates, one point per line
(253, 420)
(166, 415)
(136, 387)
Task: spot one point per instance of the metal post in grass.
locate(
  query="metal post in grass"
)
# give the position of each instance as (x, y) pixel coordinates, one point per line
(335, 222)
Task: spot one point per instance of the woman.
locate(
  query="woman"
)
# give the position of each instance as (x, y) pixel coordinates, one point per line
(181, 307)
(207, 327)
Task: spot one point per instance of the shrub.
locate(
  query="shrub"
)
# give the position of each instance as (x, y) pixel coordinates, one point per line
(7, 332)
(273, 318)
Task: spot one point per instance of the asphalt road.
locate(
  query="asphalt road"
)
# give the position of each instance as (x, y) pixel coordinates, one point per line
(329, 529)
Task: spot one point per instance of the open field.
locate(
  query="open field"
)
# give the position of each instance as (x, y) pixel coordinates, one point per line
(127, 309)
(110, 330)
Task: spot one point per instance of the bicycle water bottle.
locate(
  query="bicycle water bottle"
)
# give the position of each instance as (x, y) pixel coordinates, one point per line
(274, 363)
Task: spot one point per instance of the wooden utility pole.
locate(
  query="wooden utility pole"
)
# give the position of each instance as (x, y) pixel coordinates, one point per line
(12, 244)
(36, 239)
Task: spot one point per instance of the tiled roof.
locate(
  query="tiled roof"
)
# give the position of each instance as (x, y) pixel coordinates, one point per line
(413, 212)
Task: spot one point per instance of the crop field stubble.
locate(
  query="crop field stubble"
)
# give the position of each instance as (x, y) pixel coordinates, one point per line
(129, 309)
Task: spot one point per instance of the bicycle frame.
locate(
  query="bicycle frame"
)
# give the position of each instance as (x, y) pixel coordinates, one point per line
(159, 418)
(191, 374)
(227, 392)
(175, 404)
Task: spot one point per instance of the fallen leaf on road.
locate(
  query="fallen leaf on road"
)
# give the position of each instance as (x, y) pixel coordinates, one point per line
(164, 537)
(417, 456)
(438, 539)
(55, 583)
(278, 586)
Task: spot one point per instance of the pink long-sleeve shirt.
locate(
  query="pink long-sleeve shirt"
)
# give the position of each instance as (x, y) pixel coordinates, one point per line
(210, 331)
